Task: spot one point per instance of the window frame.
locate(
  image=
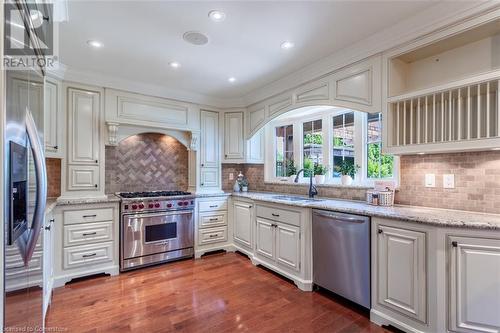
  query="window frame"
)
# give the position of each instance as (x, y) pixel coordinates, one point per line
(360, 147)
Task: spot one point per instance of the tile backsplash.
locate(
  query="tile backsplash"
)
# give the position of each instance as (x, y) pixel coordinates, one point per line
(148, 161)
(53, 177)
(477, 181)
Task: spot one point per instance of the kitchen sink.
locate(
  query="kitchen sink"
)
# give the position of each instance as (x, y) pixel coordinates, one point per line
(294, 198)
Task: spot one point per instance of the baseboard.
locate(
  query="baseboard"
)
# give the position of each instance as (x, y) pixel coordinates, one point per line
(382, 319)
(60, 281)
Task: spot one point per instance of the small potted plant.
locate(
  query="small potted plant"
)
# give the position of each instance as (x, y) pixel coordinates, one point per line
(291, 170)
(243, 184)
(320, 173)
(347, 170)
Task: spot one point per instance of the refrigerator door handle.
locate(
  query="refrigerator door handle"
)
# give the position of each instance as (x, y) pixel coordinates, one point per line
(30, 237)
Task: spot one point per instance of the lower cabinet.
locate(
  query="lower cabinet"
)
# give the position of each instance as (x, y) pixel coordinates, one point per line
(211, 225)
(87, 241)
(243, 224)
(401, 271)
(474, 284)
(265, 239)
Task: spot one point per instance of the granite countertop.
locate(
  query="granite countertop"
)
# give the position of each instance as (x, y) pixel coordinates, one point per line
(83, 200)
(51, 204)
(433, 216)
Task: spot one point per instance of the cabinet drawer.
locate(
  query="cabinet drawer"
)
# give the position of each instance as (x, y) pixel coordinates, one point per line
(88, 215)
(213, 205)
(84, 255)
(208, 220)
(278, 214)
(83, 177)
(212, 235)
(80, 234)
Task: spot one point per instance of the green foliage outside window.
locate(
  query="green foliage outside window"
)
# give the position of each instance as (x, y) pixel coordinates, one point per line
(379, 165)
(316, 138)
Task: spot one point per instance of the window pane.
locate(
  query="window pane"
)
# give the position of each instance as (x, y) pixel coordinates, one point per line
(284, 151)
(343, 140)
(313, 145)
(379, 165)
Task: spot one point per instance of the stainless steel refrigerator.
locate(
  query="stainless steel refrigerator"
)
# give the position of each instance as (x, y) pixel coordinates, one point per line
(25, 192)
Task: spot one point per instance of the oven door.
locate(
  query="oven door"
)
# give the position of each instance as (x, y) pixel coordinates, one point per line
(145, 234)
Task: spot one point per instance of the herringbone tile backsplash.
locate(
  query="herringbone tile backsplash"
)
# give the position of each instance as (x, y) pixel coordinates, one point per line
(147, 162)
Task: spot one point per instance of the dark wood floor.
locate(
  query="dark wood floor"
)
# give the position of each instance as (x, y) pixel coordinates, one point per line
(219, 293)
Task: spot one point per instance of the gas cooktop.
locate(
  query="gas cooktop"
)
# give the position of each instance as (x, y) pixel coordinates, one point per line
(152, 194)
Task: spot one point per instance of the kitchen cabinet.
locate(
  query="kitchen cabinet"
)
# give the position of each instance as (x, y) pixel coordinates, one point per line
(473, 284)
(209, 150)
(233, 136)
(401, 271)
(212, 226)
(243, 220)
(264, 240)
(86, 238)
(255, 148)
(53, 119)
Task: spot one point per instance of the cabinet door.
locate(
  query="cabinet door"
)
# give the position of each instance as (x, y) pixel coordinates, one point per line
(243, 224)
(209, 148)
(47, 262)
(233, 135)
(255, 148)
(288, 246)
(264, 240)
(401, 280)
(84, 110)
(83, 177)
(52, 125)
(209, 177)
(474, 284)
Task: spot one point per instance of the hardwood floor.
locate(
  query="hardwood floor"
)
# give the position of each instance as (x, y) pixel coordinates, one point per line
(218, 293)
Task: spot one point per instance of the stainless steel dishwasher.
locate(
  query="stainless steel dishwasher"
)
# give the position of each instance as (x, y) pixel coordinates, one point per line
(341, 254)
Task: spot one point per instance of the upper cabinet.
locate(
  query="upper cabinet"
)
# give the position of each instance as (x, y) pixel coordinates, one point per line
(443, 95)
(209, 151)
(135, 109)
(356, 86)
(233, 136)
(53, 120)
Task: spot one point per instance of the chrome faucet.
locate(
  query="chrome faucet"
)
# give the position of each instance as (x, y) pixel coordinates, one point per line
(312, 189)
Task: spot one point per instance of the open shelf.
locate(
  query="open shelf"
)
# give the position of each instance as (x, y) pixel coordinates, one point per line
(454, 58)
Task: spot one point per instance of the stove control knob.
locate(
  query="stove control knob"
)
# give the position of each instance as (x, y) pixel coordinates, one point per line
(169, 205)
(134, 206)
(141, 206)
(157, 205)
(151, 205)
(186, 203)
(180, 203)
(192, 202)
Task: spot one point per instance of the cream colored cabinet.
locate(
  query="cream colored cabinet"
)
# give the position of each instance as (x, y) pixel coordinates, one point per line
(264, 240)
(474, 284)
(401, 271)
(48, 261)
(53, 120)
(209, 150)
(212, 226)
(255, 148)
(86, 241)
(288, 245)
(243, 224)
(233, 136)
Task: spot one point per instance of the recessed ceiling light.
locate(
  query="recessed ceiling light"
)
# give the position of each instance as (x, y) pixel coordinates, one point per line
(217, 15)
(286, 45)
(174, 64)
(94, 43)
(232, 79)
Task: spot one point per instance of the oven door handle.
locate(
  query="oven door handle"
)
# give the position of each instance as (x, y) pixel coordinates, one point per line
(143, 215)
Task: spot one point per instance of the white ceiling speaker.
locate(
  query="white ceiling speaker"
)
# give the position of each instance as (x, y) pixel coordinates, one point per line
(195, 38)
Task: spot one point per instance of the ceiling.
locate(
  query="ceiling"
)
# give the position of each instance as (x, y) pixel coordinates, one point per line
(140, 38)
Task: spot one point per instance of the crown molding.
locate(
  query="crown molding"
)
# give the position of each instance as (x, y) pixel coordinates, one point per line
(436, 17)
(67, 73)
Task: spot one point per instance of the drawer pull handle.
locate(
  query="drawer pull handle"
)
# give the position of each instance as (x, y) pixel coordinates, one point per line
(275, 215)
(214, 219)
(213, 206)
(380, 231)
(89, 255)
(213, 235)
(47, 227)
(88, 216)
(89, 233)
(454, 244)
(52, 220)
(274, 225)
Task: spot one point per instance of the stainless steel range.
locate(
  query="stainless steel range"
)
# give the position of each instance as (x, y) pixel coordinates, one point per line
(155, 227)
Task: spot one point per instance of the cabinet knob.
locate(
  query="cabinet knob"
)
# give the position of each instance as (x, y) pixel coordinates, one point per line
(56, 147)
(52, 220)
(96, 161)
(454, 244)
(380, 231)
(202, 184)
(47, 227)
(95, 185)
(225, 156)
(202, 164)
